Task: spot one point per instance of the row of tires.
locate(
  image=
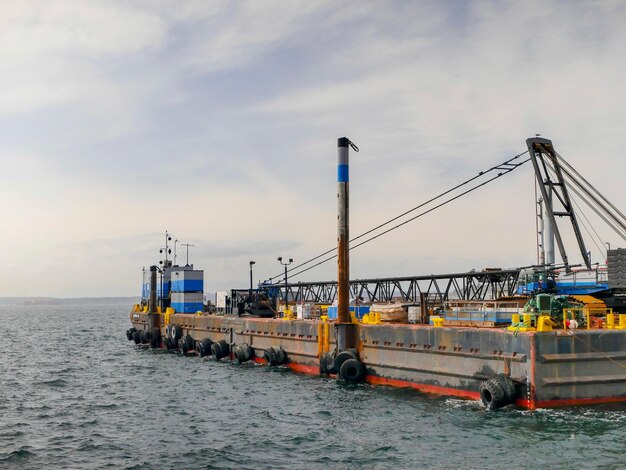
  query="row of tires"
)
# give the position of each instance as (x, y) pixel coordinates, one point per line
(495, 393)
(143, 337)
(345, 364)
(174, 340)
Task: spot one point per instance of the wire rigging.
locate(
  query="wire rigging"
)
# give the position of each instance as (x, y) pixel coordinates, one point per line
(591, 200)
(592, 194)
(601, 248)
(506, 166)
(499, 175)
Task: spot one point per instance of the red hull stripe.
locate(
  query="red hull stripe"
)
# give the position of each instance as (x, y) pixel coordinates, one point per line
(426, 388)
(453, 392)
(302, 369)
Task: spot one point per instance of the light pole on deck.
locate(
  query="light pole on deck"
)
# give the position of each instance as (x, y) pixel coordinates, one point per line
(280, 260)
(251, 264)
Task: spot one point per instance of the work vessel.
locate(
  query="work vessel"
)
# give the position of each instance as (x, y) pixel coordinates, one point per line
(544, 335)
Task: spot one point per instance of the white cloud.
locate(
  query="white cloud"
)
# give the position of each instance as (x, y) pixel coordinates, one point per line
(218, 121)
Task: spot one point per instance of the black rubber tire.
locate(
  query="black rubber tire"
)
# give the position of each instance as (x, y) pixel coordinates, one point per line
(167, 342)
(146, 336)
(204, 347)
(270, 357)
(176, 333)
(327, 364)
(510, 394)
(243, 353)
(182, 345)
(342, 357)
(168, 329)
(330, 363)
(323, 366)
(191, 343)
(136, 337)
(281, 356)
(220, 349)
(155, 341)
(492, 394)
(352, 370)
(129, 333)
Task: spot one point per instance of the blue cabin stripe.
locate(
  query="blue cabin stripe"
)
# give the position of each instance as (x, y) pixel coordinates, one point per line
(188, 285)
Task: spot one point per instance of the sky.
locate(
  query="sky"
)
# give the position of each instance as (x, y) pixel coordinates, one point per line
(218, 121)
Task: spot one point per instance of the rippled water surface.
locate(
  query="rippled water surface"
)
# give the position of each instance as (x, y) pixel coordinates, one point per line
(74, 393)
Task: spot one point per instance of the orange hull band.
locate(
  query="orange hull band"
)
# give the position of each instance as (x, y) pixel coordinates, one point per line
(426, 388)
(453, 392)
(300, 368)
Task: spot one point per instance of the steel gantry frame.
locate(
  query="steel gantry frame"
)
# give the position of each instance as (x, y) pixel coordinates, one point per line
(475, 285)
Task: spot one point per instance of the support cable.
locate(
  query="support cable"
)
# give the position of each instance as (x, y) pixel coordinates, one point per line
(620, 231)
(612, 214)
(601, 248)
(517, 165)
(573, 170)
(617, 230)
(506, 166)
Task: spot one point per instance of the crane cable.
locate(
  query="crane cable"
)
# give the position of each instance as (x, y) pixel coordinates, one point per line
(500, 166)
(507, 170)
(580, 212)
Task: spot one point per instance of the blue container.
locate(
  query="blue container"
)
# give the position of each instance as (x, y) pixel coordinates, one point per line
(188, 285)
(358, 311)
(187, 307)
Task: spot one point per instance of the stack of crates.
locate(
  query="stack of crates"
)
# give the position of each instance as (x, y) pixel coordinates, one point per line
(187, 288)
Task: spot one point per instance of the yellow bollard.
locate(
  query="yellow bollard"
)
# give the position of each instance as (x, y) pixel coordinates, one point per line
(610, 321)
(544, 323)
(437, 321)
(527, 320)
(521, 324)
(169, 311)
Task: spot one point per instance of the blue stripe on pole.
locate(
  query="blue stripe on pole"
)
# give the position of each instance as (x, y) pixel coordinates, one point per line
(342, 173)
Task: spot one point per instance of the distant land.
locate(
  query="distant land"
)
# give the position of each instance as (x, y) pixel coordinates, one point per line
(67, 301)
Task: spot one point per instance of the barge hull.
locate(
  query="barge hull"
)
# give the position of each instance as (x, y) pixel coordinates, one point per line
(549, 369)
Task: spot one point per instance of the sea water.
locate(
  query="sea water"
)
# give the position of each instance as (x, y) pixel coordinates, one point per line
(74, 393)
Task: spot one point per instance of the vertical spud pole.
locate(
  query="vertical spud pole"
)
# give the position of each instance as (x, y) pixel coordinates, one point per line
(344, 323)
(152, 301)
(343, 253)
(154, 319)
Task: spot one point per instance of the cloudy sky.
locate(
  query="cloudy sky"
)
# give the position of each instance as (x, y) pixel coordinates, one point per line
(218, 121)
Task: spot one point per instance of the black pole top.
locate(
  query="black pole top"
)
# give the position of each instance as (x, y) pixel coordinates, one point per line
(343, 142)
(153, 268)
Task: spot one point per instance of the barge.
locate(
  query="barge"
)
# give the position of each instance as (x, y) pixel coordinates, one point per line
(553, 349)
